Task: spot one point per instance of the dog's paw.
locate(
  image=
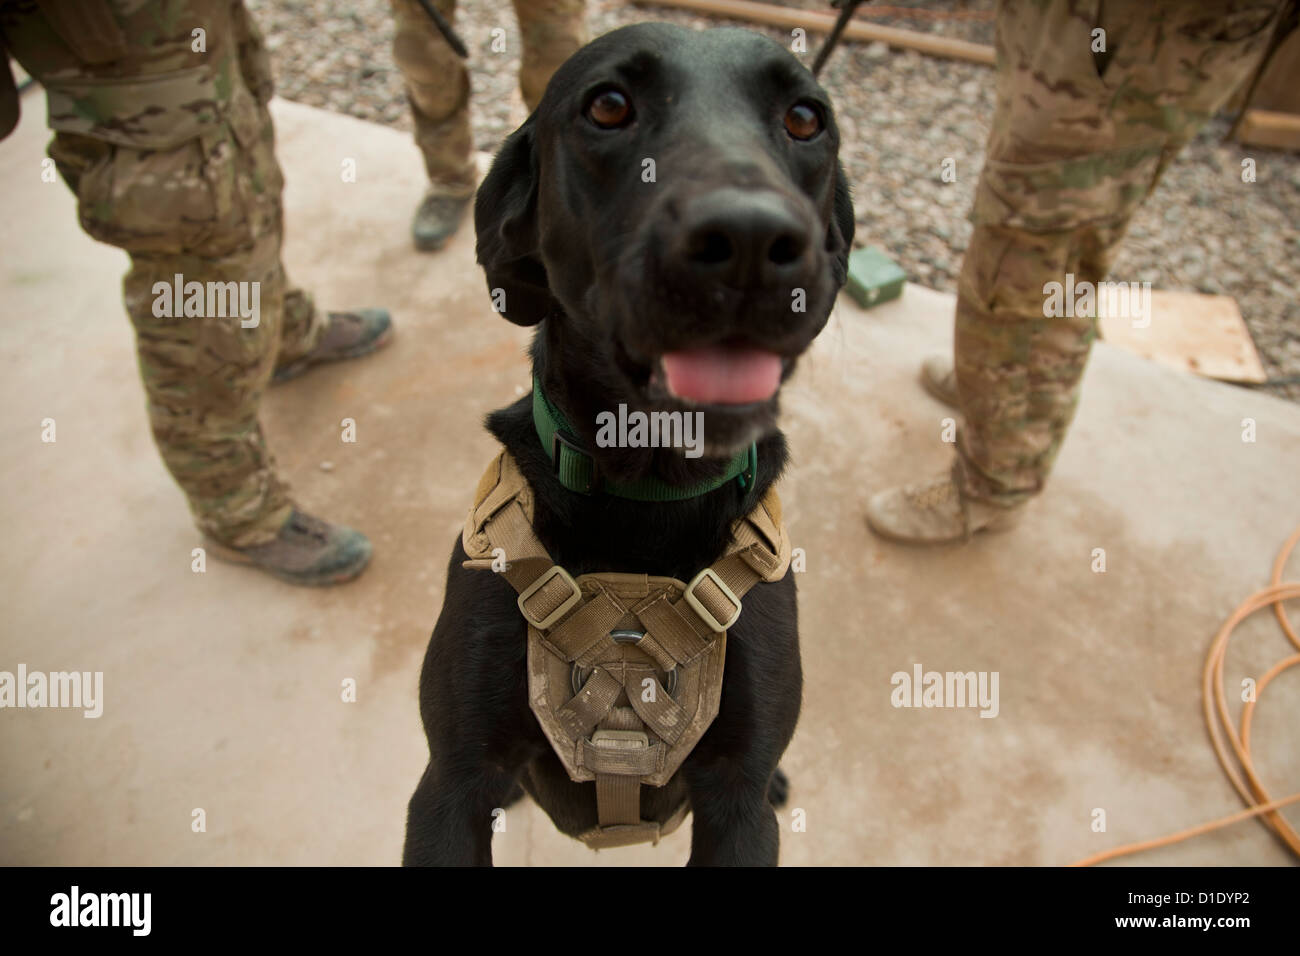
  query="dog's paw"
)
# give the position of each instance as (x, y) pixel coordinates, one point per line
(778, 789)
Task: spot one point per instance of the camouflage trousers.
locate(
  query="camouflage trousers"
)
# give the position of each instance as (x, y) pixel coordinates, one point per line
(208, 211)
(437, 83)
(1079, 140)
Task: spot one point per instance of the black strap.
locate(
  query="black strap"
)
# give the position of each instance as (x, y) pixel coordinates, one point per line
(445, 29)
(847, 8)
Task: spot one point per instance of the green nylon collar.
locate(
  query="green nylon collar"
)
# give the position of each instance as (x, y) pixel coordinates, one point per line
(576, 468)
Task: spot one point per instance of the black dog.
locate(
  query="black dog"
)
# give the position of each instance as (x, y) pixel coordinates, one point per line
(675, 220)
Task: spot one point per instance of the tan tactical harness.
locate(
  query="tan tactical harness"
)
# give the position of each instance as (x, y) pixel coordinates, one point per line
(624, 670)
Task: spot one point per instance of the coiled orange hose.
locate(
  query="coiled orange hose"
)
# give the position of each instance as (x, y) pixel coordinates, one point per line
(1238, 764)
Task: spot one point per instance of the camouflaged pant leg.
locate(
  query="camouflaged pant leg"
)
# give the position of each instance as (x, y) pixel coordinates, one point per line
(301, 326)
(552, 30)
(1078, 142)
(254, 58)
(437, 86)
(209, 211)
(301, 323)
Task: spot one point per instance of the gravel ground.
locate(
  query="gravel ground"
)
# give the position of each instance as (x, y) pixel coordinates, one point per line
(900, 113)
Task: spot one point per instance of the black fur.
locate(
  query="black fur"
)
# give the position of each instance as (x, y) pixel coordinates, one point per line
(580, 243)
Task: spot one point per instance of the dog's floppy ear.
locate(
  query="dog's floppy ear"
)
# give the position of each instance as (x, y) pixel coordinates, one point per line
(505, 220)
(839, 234)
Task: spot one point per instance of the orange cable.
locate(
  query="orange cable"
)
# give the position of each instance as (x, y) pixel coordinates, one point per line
(1215, 706)
(1249, 709)
(1185, 834)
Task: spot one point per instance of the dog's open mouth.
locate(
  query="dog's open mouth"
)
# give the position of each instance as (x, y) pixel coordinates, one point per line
(732, 384)
(720, 374)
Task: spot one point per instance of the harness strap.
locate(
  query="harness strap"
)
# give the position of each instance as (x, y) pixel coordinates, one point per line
(675, 627)
(660, 713)
(587, 626)
(618, 794)
(590, 705)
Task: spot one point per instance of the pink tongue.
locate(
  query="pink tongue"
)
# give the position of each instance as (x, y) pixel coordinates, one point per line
(725, 376)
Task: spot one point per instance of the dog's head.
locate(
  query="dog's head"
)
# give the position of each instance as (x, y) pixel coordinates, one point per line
(676, 210)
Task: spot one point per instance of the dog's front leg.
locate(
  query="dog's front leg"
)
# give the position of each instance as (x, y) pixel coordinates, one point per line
(474, 707)
(733, 824)
(730, 773)
(450, 817)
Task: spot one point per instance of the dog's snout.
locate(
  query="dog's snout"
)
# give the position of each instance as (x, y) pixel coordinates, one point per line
(743, 238)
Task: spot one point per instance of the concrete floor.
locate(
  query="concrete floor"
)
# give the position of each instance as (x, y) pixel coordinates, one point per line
(222, 689)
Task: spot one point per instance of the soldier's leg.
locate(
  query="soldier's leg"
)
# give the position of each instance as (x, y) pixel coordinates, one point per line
(1078, 141)
(168, 168)
(190, 212)
(551, 30)
(254, 58)
(437, 86)
(306, 336)
(1018, 370)
(205, 379)
(301, 324)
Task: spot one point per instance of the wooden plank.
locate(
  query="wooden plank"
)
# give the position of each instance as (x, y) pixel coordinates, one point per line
(815, 22)
(1279, 87)
(1196, 333)
(1267, 128)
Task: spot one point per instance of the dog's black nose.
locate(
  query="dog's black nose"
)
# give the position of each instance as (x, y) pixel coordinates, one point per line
(743, 237)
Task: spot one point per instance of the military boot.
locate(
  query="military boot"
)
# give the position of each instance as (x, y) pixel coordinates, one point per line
(940, 379)
(438, 218)
(307, 551)
(348, 335)
(935, 512)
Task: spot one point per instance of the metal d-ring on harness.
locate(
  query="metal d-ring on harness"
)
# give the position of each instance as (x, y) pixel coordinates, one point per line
(580, 675)
(624, 670)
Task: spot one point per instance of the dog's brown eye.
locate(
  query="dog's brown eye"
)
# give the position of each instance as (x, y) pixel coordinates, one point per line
(802, 121)
(609, 109)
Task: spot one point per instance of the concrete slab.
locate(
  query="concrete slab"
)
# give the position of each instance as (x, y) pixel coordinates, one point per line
(222, 689)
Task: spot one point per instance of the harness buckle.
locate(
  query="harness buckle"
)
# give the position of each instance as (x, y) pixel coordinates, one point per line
(566, 605)
(558, 443)
(698, 606)
(619, 739)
